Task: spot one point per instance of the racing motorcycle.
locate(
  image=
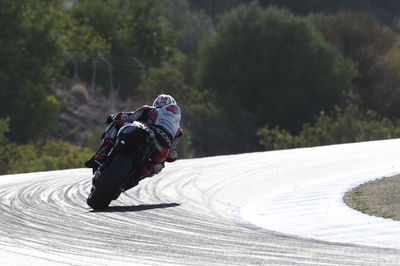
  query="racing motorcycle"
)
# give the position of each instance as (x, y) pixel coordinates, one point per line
(131, 152)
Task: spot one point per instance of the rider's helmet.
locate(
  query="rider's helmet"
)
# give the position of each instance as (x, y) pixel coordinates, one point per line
(163, 99)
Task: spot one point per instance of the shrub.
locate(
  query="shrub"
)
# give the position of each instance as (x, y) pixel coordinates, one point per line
(270, 66)
(38, 156)
(347, 124)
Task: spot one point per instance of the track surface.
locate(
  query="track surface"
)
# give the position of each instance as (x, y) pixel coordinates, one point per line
(185, 216)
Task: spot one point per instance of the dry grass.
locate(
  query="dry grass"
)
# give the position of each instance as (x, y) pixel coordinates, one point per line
(380, 197)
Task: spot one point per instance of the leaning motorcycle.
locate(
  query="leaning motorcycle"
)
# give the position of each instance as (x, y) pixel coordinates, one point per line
(132, 150)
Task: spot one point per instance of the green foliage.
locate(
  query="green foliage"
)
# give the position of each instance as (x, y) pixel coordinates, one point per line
(197, 110)
(347, 124)
(269, 66)
(75, 37)
(260, 66)
(3, 130)
(3, 141)
(375, 50)
(137, 33)
(215, 8)
(26, 56)
(35, 35)
(38, 156)
(39, 117)
(132, 28)
(191, 25)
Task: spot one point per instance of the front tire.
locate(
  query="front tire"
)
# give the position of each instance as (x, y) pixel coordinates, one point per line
(109, 182)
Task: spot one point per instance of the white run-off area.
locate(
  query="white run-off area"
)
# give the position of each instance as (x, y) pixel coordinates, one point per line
(267, 208)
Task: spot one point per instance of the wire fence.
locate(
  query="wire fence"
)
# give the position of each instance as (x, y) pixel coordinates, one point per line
(106, 72)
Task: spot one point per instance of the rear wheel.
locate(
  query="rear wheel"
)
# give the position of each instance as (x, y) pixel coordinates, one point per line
(109, 182)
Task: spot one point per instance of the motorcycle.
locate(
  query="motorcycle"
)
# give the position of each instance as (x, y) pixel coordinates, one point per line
(131, 152)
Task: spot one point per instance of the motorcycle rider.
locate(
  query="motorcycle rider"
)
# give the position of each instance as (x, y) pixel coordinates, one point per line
(163, 117)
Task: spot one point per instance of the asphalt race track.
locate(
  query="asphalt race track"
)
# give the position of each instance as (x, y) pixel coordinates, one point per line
(190, 214)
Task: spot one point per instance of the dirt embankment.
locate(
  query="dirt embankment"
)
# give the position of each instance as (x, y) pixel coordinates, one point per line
(380, 197)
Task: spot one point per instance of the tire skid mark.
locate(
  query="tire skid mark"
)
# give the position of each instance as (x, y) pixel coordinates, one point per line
(169, 219)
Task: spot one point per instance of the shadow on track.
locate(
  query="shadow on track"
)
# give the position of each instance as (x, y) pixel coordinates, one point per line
(138, 208)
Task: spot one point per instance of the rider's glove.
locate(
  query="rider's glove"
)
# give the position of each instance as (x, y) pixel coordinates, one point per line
(113, 118)
(109, 119)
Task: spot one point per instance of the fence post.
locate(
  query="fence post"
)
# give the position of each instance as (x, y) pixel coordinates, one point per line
(110, 75)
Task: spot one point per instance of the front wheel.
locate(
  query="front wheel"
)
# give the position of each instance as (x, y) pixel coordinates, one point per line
(109, 182)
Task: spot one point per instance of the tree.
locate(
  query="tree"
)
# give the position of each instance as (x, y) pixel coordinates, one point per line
(3, 142)
(26, 56)
(136, 31)
(347, 123)
(269, 66)
(197, 111)
(34, 36)
(215, 8)
(375, 50)
(43, 156)
(191, 25)
(132, 28)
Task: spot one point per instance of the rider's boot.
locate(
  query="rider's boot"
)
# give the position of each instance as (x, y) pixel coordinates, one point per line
(101, 154)
(150, 170)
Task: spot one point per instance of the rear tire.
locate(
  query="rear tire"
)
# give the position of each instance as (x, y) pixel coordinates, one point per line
(109, 182)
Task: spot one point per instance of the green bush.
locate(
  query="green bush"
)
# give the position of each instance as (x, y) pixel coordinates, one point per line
(35, 36)
(346, 125)
(197, 110)
(38, 156)
(268, 66)
(132, 28)
(375, 49)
